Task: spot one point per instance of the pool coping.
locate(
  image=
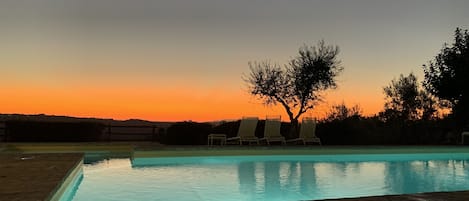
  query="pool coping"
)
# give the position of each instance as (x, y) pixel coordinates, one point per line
(179, 151)
(72, 176)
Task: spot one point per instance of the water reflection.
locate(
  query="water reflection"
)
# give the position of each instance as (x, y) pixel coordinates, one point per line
(272, 179)
(320, 180)
(277, 180)
(247, 179)
(116, 179)
(426, 176)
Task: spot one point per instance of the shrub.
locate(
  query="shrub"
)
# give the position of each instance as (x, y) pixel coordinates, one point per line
(230, 129)
(373, 131)
(38, 131)
(187, 133)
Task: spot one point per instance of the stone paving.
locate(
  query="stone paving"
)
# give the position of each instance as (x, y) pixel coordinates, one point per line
(34, 177)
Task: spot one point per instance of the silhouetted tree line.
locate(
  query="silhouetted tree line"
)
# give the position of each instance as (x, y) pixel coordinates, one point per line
(352, 128)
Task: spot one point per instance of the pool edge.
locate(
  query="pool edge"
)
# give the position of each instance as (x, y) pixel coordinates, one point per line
(289, 150)
(72, 175)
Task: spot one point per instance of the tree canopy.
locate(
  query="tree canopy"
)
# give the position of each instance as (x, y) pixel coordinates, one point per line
(298, 84)
(447, 76)
(341, 112)
(406, 100)
(402, 96)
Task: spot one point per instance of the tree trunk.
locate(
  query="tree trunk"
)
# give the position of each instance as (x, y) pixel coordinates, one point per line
(294, 128)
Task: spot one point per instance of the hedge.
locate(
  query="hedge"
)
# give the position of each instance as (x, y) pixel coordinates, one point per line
(40, 131)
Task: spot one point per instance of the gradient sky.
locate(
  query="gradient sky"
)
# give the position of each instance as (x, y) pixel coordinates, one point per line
(178, 60)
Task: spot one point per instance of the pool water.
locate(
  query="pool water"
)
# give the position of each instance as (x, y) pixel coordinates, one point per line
(272, 177)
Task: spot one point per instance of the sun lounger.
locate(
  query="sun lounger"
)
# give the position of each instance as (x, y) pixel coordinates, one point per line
(272, 130)
(307, 132)
(246, 131)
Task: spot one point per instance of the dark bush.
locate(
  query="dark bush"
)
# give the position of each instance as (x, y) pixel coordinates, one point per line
(230, 129)
(373, 131)
(349, 131)
(187, 133)
(37, 131)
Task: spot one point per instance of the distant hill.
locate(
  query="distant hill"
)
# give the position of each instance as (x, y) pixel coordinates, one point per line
(54, 118)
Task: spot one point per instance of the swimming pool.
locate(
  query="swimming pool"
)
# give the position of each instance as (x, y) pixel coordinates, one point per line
(272, 177)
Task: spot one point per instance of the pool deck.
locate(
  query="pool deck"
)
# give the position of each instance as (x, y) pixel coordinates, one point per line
(32, 172)
(35, 177)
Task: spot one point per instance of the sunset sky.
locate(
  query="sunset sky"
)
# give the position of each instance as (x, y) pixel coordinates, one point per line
(173, 60)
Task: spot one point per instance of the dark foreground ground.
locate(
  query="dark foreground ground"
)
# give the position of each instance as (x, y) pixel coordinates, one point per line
(34, 177)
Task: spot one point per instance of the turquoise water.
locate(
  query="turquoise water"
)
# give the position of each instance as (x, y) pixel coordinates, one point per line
(72, 187)
(272, 177)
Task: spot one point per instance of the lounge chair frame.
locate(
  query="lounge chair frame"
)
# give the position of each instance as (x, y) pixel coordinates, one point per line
(272, 130)
(307, 132)
(246, 131)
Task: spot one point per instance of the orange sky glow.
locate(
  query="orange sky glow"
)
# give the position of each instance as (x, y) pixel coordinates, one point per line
(165, 104)
(177, 60)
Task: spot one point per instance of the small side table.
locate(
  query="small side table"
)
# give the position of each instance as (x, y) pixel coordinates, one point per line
(463, 136)
(216, 137)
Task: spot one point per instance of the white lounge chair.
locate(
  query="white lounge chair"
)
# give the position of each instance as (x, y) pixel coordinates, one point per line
(246, 131)
(272, 130)
(307, 132)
